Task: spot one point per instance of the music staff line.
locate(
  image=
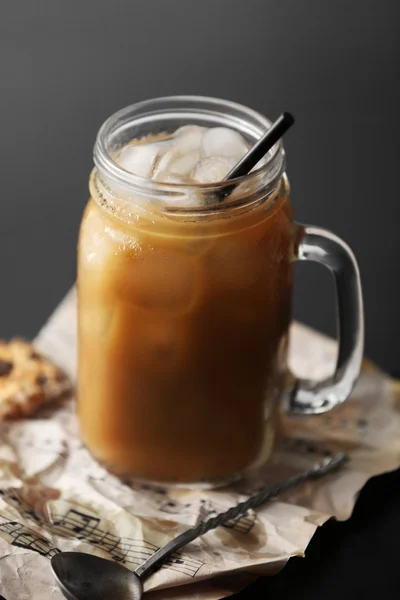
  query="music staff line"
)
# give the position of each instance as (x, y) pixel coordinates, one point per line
(122, 549)
(86, 527)
(241, 524)
(23, 537)
(127, 550)
(208, 509)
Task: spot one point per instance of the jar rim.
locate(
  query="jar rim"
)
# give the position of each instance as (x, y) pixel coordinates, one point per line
(239, 116)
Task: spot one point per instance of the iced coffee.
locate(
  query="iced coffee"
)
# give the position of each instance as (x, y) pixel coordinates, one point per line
(184, 308)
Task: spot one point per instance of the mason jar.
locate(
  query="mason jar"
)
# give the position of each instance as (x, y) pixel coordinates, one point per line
(184, 307)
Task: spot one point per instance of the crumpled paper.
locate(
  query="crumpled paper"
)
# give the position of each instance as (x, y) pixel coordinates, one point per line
(54, 496)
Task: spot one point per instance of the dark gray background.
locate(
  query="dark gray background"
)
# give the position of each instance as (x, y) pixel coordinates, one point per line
(65, 66)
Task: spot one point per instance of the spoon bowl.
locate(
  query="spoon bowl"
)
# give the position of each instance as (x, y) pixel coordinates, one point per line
(89, 577)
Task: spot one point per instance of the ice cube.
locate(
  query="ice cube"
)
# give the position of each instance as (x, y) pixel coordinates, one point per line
(95, 319)
(213, 169)
(186, 163)
(158, 341)
(157, 280)
(188, 137)
(139, 158)
(236, 264)
(95, 245)
(221, 141)
(164, 162)
(188, 198)
(123, 241)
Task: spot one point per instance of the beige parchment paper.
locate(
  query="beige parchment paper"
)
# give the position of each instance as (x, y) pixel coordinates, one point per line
(54, 496)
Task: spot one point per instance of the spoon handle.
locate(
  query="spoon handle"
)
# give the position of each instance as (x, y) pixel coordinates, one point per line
(160, 556)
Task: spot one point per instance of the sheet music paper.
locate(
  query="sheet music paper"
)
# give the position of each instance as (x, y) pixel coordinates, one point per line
(54, 496)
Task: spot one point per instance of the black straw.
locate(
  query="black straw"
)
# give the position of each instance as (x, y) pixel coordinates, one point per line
(260, 149)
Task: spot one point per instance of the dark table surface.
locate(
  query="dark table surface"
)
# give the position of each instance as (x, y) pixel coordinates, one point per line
(349, 560)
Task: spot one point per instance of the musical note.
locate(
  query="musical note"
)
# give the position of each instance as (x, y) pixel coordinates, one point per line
(243, 524)
(19, 535)
(125, 550)
(206, 509)
(79, 523)
(187, 566)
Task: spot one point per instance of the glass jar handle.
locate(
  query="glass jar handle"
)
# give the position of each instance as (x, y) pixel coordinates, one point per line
(315, 397)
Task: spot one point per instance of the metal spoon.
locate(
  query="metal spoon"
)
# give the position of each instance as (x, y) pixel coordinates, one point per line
(82, 576)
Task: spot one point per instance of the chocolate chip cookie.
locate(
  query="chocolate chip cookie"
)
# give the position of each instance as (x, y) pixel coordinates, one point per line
(27, 379)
